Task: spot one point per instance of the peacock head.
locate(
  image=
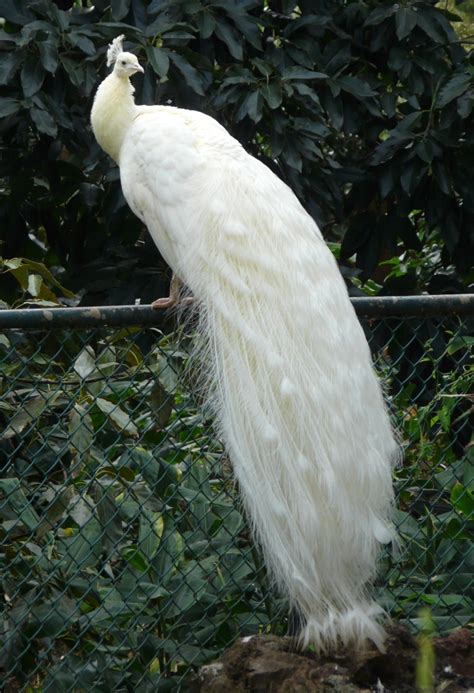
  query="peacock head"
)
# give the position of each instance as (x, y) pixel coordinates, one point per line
(126, 64)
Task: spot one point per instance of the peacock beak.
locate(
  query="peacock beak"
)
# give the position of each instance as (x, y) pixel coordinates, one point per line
(139, 68)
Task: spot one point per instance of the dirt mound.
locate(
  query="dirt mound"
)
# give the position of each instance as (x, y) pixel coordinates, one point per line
(269, 663)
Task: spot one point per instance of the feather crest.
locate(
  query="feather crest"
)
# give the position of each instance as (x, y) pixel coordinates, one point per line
(115, 48)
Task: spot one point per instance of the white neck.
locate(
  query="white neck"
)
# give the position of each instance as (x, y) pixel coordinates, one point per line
(112, 113)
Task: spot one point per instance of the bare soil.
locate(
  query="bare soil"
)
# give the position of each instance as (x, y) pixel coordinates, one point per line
(269, 663)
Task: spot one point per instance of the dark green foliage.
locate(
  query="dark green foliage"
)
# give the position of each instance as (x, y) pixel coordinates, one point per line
(364, 108)
(426, 366)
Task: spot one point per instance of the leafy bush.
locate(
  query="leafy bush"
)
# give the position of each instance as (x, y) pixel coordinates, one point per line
(120, 529)
(126, 558)
(435, 486)
(364, 108)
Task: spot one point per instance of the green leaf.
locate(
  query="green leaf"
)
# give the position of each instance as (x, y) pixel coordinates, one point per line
(355, 86)
(159, 60)
(9, 63)
(80, 431)
(380, 14)
(57, 498)
(263, 66)
(229, 36)
(387, 149)
(161, 404)
(190, 74)
(83, 549)
(31, 410)
(251, 107)
(428, 25)
(271, 92)
(153, 591)
(455, 86)
(106, 361)
(61, 17)
(389, 102)
(245, 77)
(78, 40)
(440, 174)
(43, 121)
(458, 342)
(75, 71)
(158, 474)
(8, 106)
(120, 9)
(206, 24)
(35, 282)
(425, 150)
(85, 365)
(19, 503)
(49, 55)
(21, 275)
(32, 76)
(292, 156)
(334, 109)
(120, 418)
(246, 25)
(10, 10)
(405, 21)
(81, 510)
(306, 90)
(463, 500)
(313, 127)
(53, 616)
(297, 72)
(406, 524)
(411, 176)
(150, 531)
(466, 104)
(398, 58)
(40, 268)
(136, 559)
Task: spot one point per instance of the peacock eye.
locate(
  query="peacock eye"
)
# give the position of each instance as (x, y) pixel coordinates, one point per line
(123, 62)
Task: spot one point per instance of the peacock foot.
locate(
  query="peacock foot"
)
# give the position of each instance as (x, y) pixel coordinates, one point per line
(174, 298)
(168, 302)
(164, 303)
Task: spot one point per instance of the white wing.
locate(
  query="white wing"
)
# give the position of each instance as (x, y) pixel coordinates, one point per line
(196, 188)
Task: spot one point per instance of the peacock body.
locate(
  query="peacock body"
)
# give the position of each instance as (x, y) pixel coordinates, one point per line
(290, 376)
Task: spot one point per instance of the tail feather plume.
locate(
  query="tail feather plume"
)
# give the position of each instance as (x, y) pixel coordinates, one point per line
(292, 387)
(287, 367)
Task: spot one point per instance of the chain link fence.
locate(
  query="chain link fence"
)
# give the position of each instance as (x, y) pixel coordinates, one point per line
(126, 559)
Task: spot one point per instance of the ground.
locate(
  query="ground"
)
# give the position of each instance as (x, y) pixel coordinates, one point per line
(268, 663)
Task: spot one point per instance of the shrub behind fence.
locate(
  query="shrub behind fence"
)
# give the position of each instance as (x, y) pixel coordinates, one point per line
(126, 558)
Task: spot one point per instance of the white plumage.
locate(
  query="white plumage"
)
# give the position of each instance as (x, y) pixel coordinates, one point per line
(290, 380)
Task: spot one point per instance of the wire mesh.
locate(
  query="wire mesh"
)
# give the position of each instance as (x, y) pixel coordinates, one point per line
(126, 559)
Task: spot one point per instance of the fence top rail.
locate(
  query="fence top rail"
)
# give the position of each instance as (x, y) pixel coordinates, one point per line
(122, 316)
(414, 306)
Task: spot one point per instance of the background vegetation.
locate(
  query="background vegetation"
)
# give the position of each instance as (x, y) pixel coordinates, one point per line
(465, 10)
(126, 559)
(364, 108)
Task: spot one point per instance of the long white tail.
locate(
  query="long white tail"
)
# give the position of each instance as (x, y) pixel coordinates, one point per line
(300, 409)
(290, 375)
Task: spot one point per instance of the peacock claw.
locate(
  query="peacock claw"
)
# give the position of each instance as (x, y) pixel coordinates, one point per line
(171, 302)
(164, 303)
(174, 298)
